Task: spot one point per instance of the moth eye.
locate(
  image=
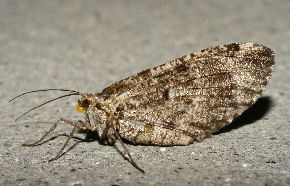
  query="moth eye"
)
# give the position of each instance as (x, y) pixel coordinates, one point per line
(85, 103)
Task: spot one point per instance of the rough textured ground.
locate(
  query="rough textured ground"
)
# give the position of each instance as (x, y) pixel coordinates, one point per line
(87, 45)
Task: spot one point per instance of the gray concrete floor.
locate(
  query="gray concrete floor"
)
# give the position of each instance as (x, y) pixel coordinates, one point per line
(87, 45)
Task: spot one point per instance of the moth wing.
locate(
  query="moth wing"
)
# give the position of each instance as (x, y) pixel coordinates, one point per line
(200, 92)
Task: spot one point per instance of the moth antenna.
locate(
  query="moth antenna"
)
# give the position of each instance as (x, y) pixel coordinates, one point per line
(43, 90)
(76, 93)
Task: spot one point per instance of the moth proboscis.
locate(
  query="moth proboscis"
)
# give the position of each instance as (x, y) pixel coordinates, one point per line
(176, 103)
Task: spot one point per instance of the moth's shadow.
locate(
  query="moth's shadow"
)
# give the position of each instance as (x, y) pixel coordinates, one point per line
(252, 114)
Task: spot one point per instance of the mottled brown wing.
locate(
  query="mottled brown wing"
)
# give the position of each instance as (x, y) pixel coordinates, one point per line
(205, 90)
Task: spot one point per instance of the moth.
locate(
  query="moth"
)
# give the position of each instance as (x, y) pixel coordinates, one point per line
(176, 103)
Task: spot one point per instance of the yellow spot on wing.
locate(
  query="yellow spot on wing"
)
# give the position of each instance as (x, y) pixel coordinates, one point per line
(148, 128)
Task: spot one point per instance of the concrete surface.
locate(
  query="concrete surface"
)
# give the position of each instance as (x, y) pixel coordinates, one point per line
(87, 45)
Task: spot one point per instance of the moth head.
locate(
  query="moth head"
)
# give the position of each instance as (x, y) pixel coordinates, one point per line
(83, 104)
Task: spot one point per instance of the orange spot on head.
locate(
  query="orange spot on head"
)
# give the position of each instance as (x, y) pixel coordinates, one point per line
(80, 110)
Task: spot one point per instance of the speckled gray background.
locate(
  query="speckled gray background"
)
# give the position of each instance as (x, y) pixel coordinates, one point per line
(87, 45)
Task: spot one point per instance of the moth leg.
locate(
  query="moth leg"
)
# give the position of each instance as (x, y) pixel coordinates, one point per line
(126, 151)
(87, 119)
(86, 125)
(105, 132)
(61, 150)
(52, 128)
